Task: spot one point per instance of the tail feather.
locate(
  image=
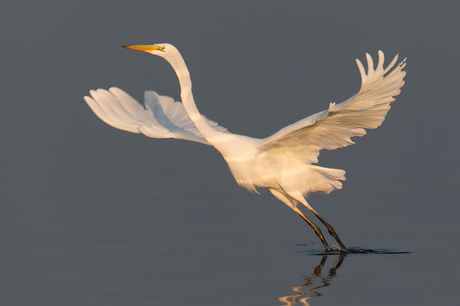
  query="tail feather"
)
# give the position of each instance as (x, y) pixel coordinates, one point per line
(327, 179)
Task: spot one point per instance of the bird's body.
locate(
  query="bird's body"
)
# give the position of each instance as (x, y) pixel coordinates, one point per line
(283, 162)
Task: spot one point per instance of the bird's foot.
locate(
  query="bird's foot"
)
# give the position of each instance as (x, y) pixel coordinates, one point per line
(340, 247)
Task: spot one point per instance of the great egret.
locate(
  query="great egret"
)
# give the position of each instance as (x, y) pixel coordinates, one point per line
(283, 162)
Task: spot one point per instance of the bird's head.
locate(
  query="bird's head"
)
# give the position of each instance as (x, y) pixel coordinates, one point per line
(166, 51)
(162, 50)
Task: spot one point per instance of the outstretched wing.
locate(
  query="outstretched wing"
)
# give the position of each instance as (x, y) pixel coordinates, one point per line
(160, 118)
(333, 127)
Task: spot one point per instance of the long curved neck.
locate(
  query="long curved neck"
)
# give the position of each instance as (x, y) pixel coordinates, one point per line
(178, 64)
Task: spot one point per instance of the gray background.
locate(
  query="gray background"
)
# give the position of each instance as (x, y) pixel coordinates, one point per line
(90, 215)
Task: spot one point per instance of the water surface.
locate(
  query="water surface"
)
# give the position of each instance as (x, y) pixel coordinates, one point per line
(95, 216)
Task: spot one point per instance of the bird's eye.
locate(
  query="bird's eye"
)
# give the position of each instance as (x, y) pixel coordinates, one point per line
(162, 48)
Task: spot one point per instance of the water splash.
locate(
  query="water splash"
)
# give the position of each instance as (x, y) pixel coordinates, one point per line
(354, 250)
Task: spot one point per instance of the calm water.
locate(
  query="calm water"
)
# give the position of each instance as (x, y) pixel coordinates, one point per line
(95, 216)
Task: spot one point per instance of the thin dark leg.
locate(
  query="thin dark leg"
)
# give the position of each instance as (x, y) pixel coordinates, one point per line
(315, 228)
(331, 231)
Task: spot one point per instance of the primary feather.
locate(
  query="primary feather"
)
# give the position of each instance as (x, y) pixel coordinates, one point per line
(332, 128)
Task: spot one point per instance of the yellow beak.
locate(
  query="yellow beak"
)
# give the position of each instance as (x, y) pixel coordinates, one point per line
(146, 48)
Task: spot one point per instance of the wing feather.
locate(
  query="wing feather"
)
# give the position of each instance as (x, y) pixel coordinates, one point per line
(332, 128)
(161, 117)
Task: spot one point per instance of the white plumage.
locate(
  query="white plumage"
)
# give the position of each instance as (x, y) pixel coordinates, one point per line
(160, 118)
(282, 162)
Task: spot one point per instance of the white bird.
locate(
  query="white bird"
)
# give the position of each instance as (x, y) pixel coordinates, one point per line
(282, 162)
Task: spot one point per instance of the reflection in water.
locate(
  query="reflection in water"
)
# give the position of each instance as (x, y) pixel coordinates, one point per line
(315, 281)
